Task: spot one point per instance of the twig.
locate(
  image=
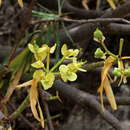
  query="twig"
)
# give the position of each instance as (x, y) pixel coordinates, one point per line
(48, 116)
(85, 99)
(98, 20)
(44, 102)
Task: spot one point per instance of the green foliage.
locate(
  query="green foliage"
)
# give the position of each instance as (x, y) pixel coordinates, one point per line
(117, 72)
(19, 60)
(44, 15)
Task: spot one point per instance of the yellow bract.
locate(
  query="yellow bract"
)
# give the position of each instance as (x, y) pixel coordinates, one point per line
(67, 74)
(42, 52)
(38, 75)
(48, 81)
(69, 52)
(20, 2)
(0, 2)
(105, 83)
(112, 3)
(38, 64)
(76, 66)
(33, 95)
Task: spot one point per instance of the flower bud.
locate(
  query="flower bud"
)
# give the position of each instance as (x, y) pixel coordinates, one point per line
(99, 53)
(117, 72)
(98, 35)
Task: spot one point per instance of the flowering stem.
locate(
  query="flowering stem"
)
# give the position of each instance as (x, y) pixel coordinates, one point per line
(57, 64)
(121, 46)
(48, 61)
(56, 73)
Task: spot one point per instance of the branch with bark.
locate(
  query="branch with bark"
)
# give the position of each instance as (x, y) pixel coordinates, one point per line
(85, 99)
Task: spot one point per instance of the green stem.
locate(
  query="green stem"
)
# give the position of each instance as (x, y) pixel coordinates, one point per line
(107, 51)
(56, 73)
(20, 109)
(121, 46)
(57, 64)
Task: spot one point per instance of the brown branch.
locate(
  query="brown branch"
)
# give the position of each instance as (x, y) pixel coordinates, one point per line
(81, 13)
(97, 20)
(45, 96)
(72, 10)
(85, 99)
(119, 100)
(119, 12)
(50, 125)
(118, 29)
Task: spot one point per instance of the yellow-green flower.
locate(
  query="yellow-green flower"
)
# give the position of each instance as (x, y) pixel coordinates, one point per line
(69, 53)
(76, 66)
(38, 75)
(48, 81)
(40, 53)
(67, 74)
(38, 64)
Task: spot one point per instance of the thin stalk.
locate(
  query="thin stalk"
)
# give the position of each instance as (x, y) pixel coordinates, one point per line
(59, 7)
(57, 52)
(20, 109)
(57, 64)
(48, 61)
(121, 46)
(56, 73)
(67, 33)
(107, 51)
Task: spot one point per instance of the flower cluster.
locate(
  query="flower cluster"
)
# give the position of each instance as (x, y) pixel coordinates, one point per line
(42, 74)
(46, 75)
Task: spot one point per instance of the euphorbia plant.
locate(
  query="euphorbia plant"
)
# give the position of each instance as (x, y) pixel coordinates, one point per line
(109, 60)
(46, 76)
